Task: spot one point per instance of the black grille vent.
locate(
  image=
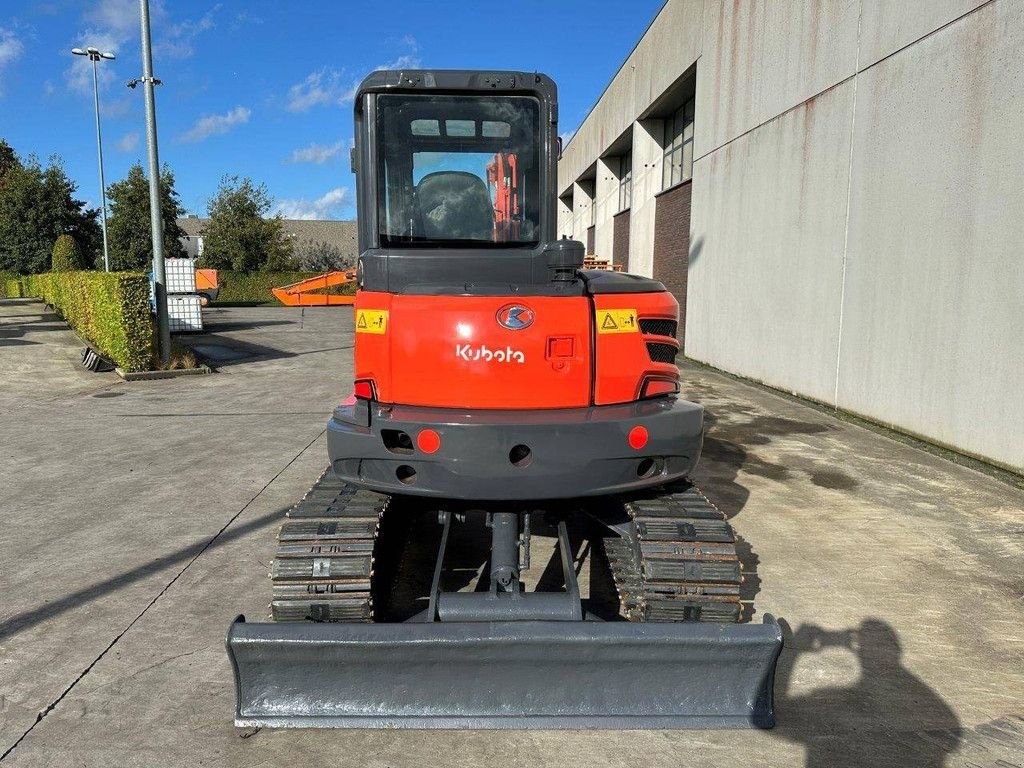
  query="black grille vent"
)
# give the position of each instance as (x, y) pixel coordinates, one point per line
(661, 353)
(657, 327)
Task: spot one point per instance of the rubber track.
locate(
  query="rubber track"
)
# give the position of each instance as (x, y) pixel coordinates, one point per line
(324, 563)
(678, 561)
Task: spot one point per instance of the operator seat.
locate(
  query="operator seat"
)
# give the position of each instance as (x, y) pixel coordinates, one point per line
(454, 205)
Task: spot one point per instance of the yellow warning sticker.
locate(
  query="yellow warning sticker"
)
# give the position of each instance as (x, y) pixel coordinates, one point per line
(371, 321)
(617, 321)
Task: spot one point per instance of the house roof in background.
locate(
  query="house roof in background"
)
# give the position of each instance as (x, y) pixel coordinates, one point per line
(342, 234)
(330, 231)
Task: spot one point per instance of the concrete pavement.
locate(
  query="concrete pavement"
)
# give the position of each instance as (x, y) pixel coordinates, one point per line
(140, 520)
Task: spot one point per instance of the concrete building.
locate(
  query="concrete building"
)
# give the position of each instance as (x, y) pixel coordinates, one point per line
(835, 193)
(340, 237)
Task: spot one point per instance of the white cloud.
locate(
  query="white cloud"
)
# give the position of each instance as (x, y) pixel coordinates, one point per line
(316, 153)
(328, 206)
(212, 125)
(406, 61)
(79, 72)
(11, 49)
(244, 19)
(323, 87)
(180, 39)
(110, 26)
(113, 25)
(120, 18)
(333, 87)
(128, 142)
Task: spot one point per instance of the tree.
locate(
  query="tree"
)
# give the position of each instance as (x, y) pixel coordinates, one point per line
(129, 227)
(8, 159)
(67, 256)
(319, 256)
(239, 235)
(37, 205)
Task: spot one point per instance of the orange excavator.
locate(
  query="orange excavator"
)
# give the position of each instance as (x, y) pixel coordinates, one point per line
(502, 394)
(311, 292)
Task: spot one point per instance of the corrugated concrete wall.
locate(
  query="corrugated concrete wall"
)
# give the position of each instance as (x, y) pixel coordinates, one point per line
(857, 202)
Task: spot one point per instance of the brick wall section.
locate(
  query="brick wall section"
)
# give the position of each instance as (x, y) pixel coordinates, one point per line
(590, 240)
(672, 244)
(620, 238)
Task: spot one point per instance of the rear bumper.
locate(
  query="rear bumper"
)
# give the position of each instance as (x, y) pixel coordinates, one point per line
(574, 452)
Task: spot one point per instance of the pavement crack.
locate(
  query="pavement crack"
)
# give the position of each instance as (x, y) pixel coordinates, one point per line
(81, 676)
(160, 663)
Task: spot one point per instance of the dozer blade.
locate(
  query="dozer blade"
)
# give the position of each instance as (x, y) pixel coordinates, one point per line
(517, 674)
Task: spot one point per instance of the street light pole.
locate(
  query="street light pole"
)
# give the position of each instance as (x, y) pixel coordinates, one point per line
(95, 56)
(155, 214)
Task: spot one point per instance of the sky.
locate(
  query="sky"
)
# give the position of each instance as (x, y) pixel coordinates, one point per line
(263, 88)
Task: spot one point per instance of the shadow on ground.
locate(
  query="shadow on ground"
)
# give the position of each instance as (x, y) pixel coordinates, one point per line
(888, 717)
(77, 599)
(243, 325)
(220, 351)
(726, 445)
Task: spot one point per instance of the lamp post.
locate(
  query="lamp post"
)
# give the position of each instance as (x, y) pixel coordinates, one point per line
(155, 215)
(95, 56)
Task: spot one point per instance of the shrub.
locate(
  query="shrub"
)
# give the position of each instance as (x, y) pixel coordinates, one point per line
(254, 287)
(321, 256)
(10, 285)
(67, 257)
(108, 309)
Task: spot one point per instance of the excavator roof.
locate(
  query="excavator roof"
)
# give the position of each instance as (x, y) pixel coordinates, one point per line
(448, 80)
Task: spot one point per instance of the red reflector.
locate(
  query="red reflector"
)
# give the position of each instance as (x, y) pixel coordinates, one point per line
(363, 389)
(654, 387)
(350, 400)
(428, 440)
(637, 437)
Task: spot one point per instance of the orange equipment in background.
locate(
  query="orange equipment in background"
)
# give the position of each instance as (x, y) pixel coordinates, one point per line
(301, 294)
(207, 285)
(503, 174)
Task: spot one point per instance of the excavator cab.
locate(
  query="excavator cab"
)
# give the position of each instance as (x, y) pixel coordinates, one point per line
(495, 379)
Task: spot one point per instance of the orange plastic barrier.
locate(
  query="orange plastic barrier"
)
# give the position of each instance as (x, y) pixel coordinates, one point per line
(206, 279)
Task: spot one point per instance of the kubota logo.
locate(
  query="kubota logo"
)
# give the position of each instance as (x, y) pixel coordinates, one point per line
(482, 352)
(515, 317)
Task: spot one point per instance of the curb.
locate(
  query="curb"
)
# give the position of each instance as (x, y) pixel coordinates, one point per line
(151, 375)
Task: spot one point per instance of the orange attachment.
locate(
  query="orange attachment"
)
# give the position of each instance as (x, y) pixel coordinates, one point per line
(301, 294)
(503, 176)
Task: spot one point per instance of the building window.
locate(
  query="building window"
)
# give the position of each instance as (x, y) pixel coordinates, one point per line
(625, 182)
(678, 160)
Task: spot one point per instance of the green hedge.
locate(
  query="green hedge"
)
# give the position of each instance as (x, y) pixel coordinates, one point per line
(108, 309)
(254, 287)
(10, 285)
